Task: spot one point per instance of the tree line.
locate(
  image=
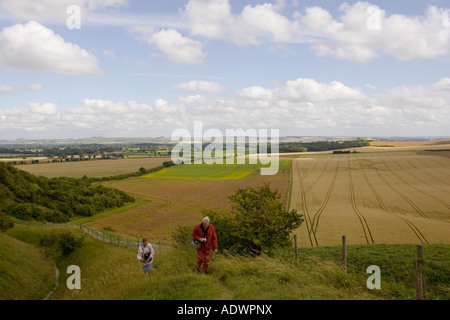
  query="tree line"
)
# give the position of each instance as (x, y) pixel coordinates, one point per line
(321, 145)
(28, 197)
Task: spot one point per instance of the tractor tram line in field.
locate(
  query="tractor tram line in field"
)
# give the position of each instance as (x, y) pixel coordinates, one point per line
(362, 219)
(428, 174)
(409, 201)
(305, 208)
(319, 177)
(415, 188)
(434, 168)
(411, 225)
(316, 218)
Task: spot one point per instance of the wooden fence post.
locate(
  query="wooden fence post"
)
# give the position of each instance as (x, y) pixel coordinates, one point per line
(419, 278)
(344, 252)
(296, 246)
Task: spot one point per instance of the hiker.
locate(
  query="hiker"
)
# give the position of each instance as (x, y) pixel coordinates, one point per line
(205, 233)
(145, 255)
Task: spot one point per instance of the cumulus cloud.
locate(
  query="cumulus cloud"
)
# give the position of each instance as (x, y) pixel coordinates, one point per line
(43, 109)
(35, 87)
(33, 47)
(8, 89)
(172, 44)
(53, 11)
(360, 33)
(255, 93)
(305, 90)
(199, 86)
(214, 20)
(363, 32)
(296, 107)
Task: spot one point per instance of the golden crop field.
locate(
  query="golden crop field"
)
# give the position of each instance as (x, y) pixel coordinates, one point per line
(381, 197)
(92, 168)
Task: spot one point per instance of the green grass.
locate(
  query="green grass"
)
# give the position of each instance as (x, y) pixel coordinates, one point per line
(111, 272)
(129, 206)
(25, 272)
(212, 172)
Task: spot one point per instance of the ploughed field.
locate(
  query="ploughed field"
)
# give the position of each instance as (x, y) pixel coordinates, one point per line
(382, 197)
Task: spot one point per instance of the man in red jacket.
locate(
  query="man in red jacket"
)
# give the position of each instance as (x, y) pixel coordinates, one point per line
(205, 233)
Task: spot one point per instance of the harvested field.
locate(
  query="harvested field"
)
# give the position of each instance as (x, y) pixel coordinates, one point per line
(179, 202)
(445, 154)
(409, 143)
(92, 168)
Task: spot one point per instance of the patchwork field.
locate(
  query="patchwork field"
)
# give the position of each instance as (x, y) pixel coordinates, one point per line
(390, 197)
(93, 168)
(379, 195)
(213, 172)
(174, 202)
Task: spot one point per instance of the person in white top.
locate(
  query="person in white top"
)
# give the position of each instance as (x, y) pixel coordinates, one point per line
(145, 255)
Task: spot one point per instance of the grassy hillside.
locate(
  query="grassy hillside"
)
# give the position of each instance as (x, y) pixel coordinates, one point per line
(25, 272)
(110, 272)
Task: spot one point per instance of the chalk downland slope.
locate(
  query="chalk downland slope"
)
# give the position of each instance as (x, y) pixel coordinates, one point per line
(25, 272)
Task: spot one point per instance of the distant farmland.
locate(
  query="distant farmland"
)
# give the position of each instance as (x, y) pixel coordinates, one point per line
(213, 172)
(372, 198)
(173, 202)
(92, 168)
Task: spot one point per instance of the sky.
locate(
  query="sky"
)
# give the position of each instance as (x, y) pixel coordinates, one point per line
(135, 68)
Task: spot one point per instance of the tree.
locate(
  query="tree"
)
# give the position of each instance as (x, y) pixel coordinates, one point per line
(257, 222)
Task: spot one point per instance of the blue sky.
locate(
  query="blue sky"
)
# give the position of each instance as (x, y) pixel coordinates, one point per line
(146, 68)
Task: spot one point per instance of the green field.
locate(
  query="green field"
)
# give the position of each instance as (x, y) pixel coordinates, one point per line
(212, 172)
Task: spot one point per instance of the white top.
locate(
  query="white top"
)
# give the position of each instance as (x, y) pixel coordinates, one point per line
(145, 250)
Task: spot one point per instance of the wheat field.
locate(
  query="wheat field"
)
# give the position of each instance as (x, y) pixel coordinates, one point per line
(372, 198)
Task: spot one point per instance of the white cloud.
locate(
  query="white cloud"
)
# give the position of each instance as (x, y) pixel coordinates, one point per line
(8, 89)
(199, 86)
(175, 47)
(255, 24)
(400, 36)
(53, 11)
(255, 93)
(300, 106)
(304, 90)
(360, 33)
(208, 19)
(43, 109)
(35, 87)
(33, 47)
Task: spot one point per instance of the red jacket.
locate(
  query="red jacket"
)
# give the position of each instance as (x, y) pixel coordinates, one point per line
(211, 237)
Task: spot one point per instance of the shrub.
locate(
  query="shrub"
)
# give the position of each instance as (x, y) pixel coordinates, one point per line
(68, 242)
(256, 223)
(168, 164)
(5, 222)
(60, 243)
(182, 235)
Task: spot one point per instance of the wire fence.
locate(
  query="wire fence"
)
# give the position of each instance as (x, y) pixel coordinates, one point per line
(115, 239)
(100, 235)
